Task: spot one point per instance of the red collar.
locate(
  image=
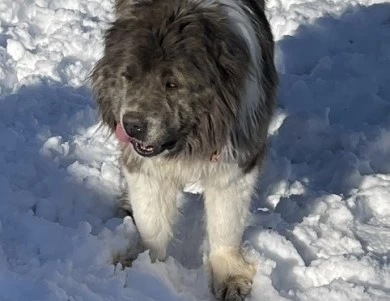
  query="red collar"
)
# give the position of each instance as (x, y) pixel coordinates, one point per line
(215, 156)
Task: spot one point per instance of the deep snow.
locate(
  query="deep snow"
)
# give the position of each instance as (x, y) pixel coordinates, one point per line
(321, 225)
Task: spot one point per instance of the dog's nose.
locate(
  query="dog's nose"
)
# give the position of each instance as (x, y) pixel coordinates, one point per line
(135, 126)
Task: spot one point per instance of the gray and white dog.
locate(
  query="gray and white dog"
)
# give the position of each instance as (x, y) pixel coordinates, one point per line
(189, 86)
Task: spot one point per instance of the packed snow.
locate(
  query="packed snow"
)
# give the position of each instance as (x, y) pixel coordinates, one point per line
(321, 220)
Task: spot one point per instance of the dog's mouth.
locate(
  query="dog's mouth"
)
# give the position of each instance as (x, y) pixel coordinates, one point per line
(141, 148)
(144, 150)
(151, 150)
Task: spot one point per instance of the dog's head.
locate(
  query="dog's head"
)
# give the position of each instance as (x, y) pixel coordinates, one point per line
(171, 77)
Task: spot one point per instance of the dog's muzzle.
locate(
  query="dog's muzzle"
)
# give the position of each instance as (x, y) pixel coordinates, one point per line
(132, 133)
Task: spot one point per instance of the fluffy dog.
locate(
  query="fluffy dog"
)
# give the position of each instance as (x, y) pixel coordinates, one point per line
(188, 86)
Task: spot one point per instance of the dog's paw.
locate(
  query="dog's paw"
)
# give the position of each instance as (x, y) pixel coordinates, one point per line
(235, 288)
(231, 275)
(125, 260)
(157, 255)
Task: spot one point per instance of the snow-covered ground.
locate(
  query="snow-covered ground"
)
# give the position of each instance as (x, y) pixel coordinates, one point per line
(321, 225)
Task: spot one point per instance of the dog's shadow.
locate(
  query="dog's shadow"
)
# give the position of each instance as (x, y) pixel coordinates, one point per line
(328, 132)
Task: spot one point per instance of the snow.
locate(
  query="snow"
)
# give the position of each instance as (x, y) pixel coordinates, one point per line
(321, 221)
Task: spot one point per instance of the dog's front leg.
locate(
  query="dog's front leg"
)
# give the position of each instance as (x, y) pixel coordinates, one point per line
(154, 208)
(227, 207)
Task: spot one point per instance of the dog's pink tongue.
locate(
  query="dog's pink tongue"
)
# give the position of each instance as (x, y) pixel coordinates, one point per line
(121, 134)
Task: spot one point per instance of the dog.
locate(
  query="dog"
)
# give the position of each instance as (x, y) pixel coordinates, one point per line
(189, 88)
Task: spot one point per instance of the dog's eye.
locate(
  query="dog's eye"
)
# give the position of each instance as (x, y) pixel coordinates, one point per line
(126, 76)
(129, 73)
(170, 85)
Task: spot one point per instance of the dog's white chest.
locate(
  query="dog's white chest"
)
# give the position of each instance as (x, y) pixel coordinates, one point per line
(194, 187)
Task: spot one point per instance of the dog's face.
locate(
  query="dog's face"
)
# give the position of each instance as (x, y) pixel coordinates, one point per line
(160, 101)
(170, 78)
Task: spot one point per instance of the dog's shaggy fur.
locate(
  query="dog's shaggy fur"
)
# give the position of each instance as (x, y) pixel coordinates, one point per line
(199, 78)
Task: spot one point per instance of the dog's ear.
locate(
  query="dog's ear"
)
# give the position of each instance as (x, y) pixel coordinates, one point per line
(104, 87)
(247, 97)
